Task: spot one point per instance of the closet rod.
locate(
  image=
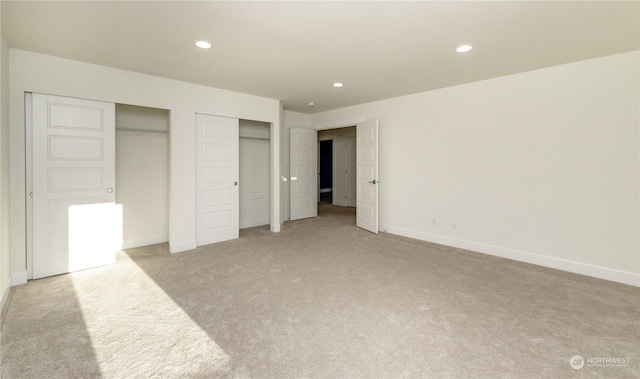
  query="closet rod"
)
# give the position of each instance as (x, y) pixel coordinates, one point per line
(257, 138)
(142, 130)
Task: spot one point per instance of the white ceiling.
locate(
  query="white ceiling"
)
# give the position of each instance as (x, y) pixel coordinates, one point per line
(294, 51)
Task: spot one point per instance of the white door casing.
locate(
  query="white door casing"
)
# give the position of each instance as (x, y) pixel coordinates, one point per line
(217, 167)
(367, 175)
(303, 177)
(75, 222)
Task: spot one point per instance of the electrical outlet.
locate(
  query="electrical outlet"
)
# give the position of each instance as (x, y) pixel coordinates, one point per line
(434, 221)
(453, 225)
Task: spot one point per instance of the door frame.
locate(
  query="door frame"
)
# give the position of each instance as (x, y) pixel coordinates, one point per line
(29, 181)
(340, 123)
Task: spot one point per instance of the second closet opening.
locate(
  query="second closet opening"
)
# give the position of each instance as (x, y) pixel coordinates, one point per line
(254, 183)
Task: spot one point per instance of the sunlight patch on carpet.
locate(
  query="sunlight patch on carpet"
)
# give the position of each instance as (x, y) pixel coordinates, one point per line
(136, 329)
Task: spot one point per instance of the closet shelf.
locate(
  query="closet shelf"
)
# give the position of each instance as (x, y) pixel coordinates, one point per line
(142, 130)
(256, 138)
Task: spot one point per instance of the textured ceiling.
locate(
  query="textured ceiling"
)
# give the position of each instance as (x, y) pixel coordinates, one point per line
(294, 51)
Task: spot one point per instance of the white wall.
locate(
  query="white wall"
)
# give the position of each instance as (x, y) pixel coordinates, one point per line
(5, 273)
(142, 174)
(31, 72)
(291, 120)
(541, 166)
(254, 173)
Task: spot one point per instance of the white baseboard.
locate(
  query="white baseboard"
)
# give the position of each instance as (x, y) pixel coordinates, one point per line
(252, 223)
(599, 272)
(18, 278)
(179, 247)
(146, 241)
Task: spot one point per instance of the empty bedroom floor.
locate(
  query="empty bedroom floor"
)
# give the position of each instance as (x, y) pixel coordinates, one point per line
(321, 299)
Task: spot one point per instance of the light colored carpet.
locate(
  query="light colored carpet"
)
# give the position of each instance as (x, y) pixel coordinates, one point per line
(322, 299)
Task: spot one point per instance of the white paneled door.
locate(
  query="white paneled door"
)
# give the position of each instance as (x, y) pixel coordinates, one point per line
(254, 176)
(352, 169)
(75, 221)
(367, 175)
(303, 158)
(217, 166)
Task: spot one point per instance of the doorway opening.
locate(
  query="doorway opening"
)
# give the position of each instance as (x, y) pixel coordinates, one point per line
(326, 171)
(142, 173)
(254, 173)
(337, 166)
(354, 171)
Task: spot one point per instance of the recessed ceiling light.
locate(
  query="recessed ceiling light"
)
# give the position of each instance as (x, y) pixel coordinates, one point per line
(203, 44)
(338, 85)
(311, 103)
(464, 48)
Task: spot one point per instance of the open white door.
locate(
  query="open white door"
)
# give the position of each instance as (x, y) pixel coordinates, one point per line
(304, 180)
(76, 224)
(367, 175)
(352, 169)
(217, 200)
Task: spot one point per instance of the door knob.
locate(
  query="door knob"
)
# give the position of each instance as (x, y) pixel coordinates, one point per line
(373, 181)
(235, 183)
(109, 190)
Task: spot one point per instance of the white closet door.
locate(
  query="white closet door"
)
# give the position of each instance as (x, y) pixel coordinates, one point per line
(254, 179)
(76, 224)
(304, 180)
(217, 200)
(367, 176)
